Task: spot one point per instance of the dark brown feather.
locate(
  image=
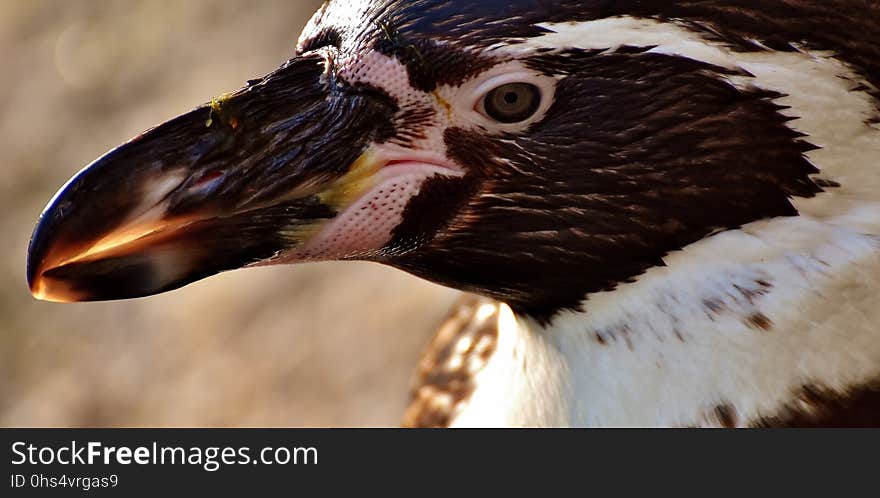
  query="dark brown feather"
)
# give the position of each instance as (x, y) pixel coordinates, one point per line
(444, 378)
(815, 405)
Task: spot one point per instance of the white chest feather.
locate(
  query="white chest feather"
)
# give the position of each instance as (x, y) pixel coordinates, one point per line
(742, 319)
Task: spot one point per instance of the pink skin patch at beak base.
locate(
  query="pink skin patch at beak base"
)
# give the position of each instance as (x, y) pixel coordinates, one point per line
(367, 224)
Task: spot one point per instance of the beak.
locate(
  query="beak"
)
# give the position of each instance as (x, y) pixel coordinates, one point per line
(240, 181)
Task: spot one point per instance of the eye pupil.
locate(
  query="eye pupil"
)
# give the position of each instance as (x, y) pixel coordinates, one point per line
(512, 102)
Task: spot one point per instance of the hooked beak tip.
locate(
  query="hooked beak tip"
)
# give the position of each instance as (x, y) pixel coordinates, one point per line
(41, 293)
(45, 288)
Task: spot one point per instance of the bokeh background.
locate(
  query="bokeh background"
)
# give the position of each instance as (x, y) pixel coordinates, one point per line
(329, 344)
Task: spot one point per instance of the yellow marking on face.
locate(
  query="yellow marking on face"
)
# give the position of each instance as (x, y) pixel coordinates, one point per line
(339, 194)
(299, 233)
(359, 178)
(446, 105)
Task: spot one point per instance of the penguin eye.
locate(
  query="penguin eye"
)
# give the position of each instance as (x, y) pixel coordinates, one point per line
(511, 102)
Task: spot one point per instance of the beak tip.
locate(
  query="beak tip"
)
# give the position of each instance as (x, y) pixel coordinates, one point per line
(47, 289)
(38, 291)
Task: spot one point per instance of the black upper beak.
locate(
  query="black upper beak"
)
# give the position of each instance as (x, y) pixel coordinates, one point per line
(228, 184)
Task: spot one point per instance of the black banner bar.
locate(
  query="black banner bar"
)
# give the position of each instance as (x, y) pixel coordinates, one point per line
(119, 462)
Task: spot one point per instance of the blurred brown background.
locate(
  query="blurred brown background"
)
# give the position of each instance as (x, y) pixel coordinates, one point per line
(309, 345)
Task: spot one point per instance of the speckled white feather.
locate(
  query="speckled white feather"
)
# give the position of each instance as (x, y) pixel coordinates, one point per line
(743, 318)
(681, 340)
